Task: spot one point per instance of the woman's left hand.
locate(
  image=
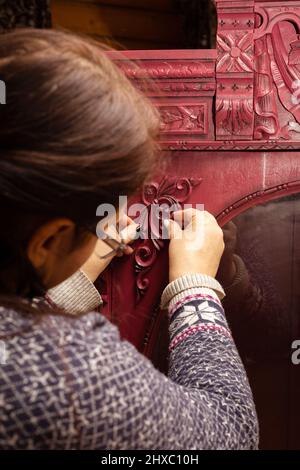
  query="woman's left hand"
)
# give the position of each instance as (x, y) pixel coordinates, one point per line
(94, 266)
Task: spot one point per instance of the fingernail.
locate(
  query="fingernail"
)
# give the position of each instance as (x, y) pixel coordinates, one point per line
(166, 223)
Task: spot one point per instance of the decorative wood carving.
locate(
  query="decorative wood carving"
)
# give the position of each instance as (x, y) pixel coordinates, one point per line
(187, 119)
(277, 104)
(254, 76)
(182, 89)
(235, 70)
(170, 191)
(258, 197)
(169, 69)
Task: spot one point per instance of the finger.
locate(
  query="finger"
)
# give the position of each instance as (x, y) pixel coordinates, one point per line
(174, 230)
(192, 218)
(124, 221)
(185, 215)
(129, 233)
(112, 232)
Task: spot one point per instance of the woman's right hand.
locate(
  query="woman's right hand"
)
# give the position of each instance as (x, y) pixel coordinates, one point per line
(196, 246)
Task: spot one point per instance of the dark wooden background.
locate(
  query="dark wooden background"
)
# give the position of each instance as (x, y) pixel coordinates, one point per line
(123, 24)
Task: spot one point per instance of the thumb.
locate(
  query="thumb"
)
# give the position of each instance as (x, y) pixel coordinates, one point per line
(129, 233)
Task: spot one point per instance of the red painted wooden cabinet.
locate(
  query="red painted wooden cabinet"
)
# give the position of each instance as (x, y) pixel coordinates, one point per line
(231, 140)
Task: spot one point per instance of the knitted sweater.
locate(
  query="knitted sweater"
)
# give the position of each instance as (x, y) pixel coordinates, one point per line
(72, 383)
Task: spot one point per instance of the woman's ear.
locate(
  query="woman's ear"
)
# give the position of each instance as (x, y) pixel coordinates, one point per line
(50, 240)
(53, 253)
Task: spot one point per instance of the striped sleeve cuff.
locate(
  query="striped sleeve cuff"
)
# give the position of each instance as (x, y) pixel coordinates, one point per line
(189, 281)
(75, 295)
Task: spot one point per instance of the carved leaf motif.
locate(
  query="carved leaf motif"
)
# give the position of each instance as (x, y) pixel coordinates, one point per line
(184, 118)
(234, 117)
(170, 191)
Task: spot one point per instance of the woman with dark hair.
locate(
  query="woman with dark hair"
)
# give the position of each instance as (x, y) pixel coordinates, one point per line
(74, 134)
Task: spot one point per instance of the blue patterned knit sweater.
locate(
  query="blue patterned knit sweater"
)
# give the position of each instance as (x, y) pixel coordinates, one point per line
(72, 383)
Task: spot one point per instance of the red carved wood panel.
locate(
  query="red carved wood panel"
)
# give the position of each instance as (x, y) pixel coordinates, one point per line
(230, 139)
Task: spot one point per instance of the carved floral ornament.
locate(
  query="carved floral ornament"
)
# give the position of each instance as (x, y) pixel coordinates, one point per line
(171, 191)
(189, 118)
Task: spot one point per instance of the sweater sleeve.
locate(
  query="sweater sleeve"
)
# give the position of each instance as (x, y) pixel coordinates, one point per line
(75, 295)
(123, 402)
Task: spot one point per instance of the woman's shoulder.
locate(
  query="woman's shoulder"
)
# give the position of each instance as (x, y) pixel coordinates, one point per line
(55, 369)
(54, 332)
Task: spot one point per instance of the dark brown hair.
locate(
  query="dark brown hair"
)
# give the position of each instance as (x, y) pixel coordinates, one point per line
(74, 133)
